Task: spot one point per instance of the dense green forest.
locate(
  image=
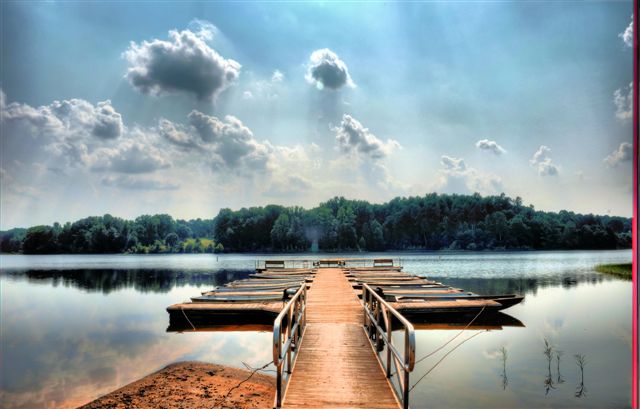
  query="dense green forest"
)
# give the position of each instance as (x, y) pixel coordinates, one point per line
(431, 222)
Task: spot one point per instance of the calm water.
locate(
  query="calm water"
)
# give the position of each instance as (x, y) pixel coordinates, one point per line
(76, 327)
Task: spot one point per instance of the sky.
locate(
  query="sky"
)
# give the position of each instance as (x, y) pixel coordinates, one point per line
(133, 108)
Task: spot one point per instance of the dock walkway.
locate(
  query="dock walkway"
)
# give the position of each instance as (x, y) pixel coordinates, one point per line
(336, 365)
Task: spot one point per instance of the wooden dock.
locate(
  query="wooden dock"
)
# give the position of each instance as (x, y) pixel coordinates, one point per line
(336, 366)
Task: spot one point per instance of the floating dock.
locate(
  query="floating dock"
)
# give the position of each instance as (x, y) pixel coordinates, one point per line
(332, 320)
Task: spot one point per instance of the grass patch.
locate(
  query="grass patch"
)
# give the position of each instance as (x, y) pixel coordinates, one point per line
(204, 242)
(621, 270)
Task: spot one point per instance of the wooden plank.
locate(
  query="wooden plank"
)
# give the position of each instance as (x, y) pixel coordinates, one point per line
(336, 366)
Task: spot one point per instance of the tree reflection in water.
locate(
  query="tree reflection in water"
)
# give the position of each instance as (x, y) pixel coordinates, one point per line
(505, 380)
(548, 380)
(559, 379)
(581, 361)
(142, 280)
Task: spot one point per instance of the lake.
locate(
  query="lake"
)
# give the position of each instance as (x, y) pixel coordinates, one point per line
(76, 327)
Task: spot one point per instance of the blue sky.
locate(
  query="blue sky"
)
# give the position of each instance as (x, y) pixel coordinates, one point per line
(132, 107)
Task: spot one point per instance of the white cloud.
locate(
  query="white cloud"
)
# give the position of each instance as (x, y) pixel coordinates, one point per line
(232, 143)
(623, 100)
(327, 70)
(184, 63)
(137, 183)
(456, 177)
(624, 153)
(68, 118)
(450, 163)
(247, 95)
(277, 76)
(542, 161)
(353, 137)
(129, 157)
(492, 146)
(627, 34)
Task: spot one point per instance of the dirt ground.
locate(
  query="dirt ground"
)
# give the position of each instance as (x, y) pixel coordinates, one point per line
(193, 385)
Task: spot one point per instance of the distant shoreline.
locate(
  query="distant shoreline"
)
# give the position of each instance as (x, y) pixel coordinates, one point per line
(311, 253)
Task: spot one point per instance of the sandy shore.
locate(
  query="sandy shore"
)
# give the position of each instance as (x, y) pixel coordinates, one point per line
(193, 385)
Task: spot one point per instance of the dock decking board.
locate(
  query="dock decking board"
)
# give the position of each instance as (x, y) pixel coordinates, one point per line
(336, 366)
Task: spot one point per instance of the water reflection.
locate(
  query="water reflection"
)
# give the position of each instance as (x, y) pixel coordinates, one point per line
(69, 336)
(525, 286)
(142, 280)
(164, 280)
(581, 361)
(548, 380)
(559, 379)
(505, 380)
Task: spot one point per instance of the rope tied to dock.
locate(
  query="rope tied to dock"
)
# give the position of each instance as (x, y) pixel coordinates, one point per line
(447, 343)
(187, 318)
(445, 355)
(451, 340)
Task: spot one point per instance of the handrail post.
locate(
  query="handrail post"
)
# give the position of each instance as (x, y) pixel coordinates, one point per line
(390, 342)
(376, 311)
(295, 313)
(289, 336)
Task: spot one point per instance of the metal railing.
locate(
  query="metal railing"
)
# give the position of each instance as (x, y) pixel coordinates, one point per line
(288, 329)
(320, 262)
(279, 264)
(378, 323)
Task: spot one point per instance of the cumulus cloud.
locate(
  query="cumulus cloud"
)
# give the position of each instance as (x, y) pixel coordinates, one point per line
(177, 134)
(137, 183)
(456, 177)
(353, 137)
(542, 161)
(492, 146)
(74, 134)
(101, 120)
(327, 70)
(128, 157)
(627, 34)
(624, 153)
(74, 117)
(184, 63)
(232, 144)
(623, 100)
(277, 76)
(450, 163)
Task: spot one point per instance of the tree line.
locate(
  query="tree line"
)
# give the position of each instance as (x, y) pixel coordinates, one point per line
(430, 222)
(159, 233)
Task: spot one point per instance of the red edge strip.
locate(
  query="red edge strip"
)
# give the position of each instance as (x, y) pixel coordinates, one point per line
(634, 384)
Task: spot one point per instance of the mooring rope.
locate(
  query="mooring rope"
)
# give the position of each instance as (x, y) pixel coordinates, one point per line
(187, 318)
(442, 359)
(451, 340)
